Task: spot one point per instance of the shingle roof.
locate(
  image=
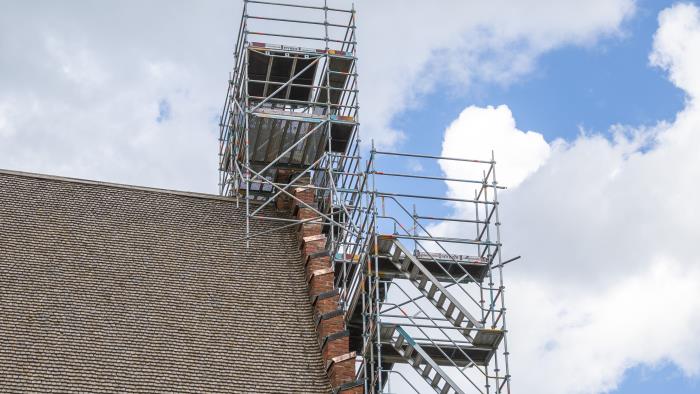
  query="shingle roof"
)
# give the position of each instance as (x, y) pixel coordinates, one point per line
(112, 288)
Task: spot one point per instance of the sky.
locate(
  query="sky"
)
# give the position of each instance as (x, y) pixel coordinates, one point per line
(590, 107)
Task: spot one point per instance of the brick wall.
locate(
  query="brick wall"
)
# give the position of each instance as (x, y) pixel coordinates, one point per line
(333, 337)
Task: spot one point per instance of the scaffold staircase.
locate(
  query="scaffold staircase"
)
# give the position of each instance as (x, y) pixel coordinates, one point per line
(420, 360)
(290, 152)
(447, 325)
(413, 270)
(426, 355)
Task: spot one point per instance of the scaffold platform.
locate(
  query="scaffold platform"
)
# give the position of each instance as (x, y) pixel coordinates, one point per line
(289, 140)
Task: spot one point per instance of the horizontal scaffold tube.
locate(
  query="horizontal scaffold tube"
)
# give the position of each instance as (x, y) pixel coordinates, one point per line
(259, 33)
(387, 194)
(438, 178)
(446, 239)
(298, 21)
(299, 6)
(434, 157)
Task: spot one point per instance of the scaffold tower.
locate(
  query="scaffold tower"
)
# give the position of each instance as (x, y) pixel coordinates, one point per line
(406, 298)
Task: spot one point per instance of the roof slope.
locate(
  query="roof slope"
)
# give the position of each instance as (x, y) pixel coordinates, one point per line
(106, 287)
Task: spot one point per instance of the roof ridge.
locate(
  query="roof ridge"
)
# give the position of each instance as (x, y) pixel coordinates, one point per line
(114, 185)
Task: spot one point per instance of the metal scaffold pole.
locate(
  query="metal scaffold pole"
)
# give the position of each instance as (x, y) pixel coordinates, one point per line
(418, 275)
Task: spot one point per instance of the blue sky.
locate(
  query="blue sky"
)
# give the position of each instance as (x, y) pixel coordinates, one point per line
(574, 88)
(662, 379)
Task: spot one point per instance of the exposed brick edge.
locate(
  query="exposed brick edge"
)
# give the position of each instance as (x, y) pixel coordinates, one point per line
(332, 334)
(323, 296)
(296, 206)
(340, 359)
(305, 241)
(332, 337)
(311, 256)
(328, 315)
(320, 272)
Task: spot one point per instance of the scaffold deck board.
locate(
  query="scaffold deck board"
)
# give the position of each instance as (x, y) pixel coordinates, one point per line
(337, 78)
(268, 70)
(445, 270)
(444, 352)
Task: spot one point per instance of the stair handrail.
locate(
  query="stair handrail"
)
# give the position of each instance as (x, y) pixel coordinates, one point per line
(437, 284)
(437, 242)
(455, 280)
(404, 378)
(429, 360)
(441, 329)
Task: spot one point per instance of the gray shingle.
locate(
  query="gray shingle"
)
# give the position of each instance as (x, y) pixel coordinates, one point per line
(111, 288)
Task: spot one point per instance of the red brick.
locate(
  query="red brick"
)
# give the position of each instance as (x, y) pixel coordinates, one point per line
(307, 213)
(318, 263)
(319, 271)
(309, 228)
(342, 372)
(331, 326)
(321, 284)
(313, 246)
(282, 203)
(326, 305)
(305, 194)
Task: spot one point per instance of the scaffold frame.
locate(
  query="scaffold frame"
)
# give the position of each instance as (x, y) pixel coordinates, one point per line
(291, 121)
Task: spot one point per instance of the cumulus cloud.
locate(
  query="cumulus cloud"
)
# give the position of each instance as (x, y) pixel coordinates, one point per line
(422, 46)
(676, 48)
(82, 82)
(479, 131)
(83, 87)
(608, 227)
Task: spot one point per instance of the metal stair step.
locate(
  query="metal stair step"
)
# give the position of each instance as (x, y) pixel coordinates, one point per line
(459, 319)
(436, 380)
(426, 371)
(423, 282)
(416, 361)
(432, 291)
(413, 269)
(422, 363)
(445, 389)
(387, 331)
(414, 273)
(450, 309)
(408, 351)
(406, 263)
(441, 300)
(399, 342)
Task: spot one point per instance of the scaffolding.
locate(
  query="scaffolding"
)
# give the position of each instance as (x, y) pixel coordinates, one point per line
(422, 294)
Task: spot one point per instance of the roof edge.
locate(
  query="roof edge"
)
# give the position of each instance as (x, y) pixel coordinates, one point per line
(114, 185)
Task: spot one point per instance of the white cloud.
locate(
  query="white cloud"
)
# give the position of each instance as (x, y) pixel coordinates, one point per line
(479, 131)
(582, 342)
(82, 85)
(81, 82)
(409, 47)
(608, 229)
(676, 46)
